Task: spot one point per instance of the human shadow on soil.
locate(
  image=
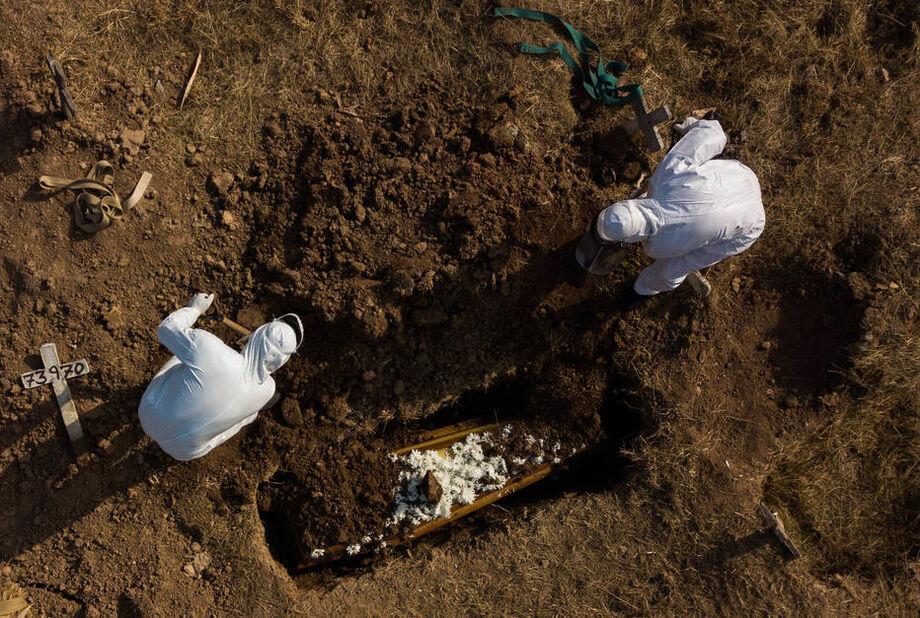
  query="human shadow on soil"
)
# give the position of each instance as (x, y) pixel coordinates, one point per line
(728, 548)
(819, 319)
(15, 126)
(549, 303)
(52, 492)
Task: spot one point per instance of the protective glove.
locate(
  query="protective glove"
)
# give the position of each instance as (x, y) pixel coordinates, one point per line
(201, 302)
(684, 126)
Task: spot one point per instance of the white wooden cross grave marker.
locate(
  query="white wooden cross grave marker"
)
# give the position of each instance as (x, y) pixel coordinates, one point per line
(646, 121)
(56, 374)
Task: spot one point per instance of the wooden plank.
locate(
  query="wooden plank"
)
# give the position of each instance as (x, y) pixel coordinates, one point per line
(34, 379)
(447, 439)
(337, 552)
(65, 401)
(448, 429)
(513, 485)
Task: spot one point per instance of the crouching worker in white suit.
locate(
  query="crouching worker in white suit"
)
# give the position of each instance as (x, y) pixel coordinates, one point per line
(697, 212)
(208, 391)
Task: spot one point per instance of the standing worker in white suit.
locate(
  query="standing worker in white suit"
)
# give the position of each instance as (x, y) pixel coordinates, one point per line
(697, 212)
(208, 391)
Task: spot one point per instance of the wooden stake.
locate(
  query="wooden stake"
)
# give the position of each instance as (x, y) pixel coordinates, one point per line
(191, 80)
(776, 526)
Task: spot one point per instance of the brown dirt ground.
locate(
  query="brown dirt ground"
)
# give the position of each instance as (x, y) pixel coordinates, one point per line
(399, 176)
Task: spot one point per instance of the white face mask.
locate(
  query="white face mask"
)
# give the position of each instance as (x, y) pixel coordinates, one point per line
(274, 359)
(268, 349)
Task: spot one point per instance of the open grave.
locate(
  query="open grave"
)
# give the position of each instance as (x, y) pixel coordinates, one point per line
(355, 504)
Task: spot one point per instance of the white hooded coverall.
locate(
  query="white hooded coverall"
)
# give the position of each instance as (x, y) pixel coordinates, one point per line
(208, 391)
(698, 211)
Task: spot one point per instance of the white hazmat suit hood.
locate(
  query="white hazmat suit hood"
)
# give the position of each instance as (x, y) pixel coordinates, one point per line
(623, 222)
(208, 391)
(268, 349)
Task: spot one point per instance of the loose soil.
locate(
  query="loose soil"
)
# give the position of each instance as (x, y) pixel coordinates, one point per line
(343, 493)
(414, 190)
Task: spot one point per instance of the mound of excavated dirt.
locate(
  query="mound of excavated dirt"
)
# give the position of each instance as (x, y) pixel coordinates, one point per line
(429, 253)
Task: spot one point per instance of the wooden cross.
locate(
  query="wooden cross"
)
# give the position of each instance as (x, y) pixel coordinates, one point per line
(646, 121)
(70, 110)
(56, 374)
(775, 525)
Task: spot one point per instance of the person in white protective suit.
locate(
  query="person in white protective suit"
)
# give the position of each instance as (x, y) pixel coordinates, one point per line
(208, 391)
(698, 211)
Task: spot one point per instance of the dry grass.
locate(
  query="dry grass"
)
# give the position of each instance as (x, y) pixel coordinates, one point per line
(836, 148)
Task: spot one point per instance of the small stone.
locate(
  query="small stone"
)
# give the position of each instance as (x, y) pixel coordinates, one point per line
(104, 445)
(132, 137)
(766, 345)
(228, 220)
(194, 160)
(883, 72)
(35, 110)
(736, 284)
(504, 134)
(432, 488)
(631, 171)
(7, 571)
(36, 135)
(428, 317)
(189, 570)
(290, 412)
(894, 286)
(196, 546)
(637, 56)
(273, 129)
(190, 148)
(201, 562)
(220, 183)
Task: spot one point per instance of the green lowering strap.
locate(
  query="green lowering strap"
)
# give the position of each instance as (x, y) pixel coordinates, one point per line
(600, 85)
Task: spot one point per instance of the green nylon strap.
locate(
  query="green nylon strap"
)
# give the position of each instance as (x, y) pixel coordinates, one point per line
(600, 85)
